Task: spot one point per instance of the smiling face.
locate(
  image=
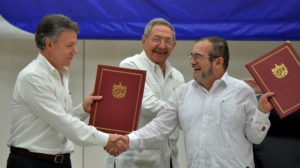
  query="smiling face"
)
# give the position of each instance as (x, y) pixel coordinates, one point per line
(61, 50)
(203, 67)
(159, 44)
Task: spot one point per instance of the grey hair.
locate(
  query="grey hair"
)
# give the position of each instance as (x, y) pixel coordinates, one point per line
(51, 26)
(158, 21)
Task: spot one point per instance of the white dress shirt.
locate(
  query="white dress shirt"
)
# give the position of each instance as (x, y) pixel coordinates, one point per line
(158, 88)
(43, 119)
(219, 125)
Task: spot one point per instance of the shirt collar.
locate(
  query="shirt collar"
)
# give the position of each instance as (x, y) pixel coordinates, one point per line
(224, 79)
(50, 67)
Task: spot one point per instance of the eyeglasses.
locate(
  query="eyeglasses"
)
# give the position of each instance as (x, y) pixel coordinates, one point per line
(157, 40)
(196, 57)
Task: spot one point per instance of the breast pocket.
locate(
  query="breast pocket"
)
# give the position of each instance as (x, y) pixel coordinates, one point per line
(231, 117)
(156, 89)
(68, 102)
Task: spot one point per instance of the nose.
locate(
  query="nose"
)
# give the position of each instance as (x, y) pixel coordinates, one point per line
(75, 50)
(162, 44)
(192, 61)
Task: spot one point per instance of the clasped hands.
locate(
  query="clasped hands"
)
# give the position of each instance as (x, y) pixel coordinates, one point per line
(117, 144)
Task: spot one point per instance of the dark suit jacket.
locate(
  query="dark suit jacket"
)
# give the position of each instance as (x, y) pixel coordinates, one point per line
(281, 147)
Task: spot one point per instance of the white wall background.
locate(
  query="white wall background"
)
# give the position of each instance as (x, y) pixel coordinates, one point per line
(17, 53)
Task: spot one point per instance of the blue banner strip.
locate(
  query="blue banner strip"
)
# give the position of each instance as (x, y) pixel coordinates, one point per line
(192, 19)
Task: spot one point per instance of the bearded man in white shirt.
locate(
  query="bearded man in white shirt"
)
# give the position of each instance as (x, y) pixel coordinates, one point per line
(219, 115)
(161, 81)
(44, 123)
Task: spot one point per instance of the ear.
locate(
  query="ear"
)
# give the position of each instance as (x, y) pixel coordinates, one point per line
(48, 43)
(174, 45)
(219, 61)
(143, 40)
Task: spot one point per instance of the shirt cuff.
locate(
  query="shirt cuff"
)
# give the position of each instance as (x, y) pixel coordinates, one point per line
(262, 115)
(103, 137)
(262, 119)
(132, 140)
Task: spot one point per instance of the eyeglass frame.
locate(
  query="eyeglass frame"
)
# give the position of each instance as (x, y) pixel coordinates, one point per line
(197, 57)
(158, 40)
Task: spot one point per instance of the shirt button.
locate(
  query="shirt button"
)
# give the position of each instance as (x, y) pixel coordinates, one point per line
(263, 128)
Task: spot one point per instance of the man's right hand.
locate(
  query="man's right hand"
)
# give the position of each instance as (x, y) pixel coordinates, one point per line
(117, 144)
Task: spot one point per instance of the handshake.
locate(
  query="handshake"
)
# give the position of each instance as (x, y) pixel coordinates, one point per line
(117, 144)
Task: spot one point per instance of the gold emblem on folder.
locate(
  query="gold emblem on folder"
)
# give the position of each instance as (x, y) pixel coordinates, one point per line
(119, 91)
(280, 71)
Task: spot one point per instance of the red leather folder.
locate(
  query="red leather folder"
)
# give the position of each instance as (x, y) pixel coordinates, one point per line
(279, 71)
(122, 90)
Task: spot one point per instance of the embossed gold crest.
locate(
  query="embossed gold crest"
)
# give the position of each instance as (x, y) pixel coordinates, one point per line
(119, 91)
(280, 71)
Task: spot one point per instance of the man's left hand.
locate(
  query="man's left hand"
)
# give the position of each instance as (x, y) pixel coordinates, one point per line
(263, 103)
(88, 102)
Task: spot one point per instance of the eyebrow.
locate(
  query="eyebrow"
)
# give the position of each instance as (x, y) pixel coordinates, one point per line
(158, 36)
(197, 54)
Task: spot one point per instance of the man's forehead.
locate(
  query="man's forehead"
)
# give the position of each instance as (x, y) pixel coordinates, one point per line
(202, 45)
(67, 35)
(158, 29)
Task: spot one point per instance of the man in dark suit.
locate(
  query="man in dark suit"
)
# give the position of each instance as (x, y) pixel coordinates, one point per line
(280, 148)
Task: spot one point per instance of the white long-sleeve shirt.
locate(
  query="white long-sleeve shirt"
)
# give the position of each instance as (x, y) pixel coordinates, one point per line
(219, 125)
(158, 88)
(43, 119)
